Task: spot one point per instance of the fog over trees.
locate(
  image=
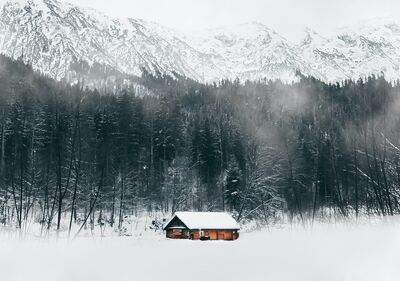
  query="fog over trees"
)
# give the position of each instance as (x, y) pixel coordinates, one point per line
(261, 150)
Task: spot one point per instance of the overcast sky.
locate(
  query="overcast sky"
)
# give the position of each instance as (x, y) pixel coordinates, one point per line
(289, 17)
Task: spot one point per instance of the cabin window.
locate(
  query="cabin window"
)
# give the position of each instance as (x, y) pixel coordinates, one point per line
(177, 231)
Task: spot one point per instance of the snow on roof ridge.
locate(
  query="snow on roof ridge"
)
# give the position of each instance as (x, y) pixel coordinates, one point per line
(206, 220)
(196, 212)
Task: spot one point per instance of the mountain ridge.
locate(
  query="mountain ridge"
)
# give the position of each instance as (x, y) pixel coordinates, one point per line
(57, 37)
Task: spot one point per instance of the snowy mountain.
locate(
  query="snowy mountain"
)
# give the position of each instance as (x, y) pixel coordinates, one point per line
(64, 41)
(250, 51)
(54, 37)
(371, 47)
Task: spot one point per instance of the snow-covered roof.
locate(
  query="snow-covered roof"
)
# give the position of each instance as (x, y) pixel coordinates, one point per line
(206, 220)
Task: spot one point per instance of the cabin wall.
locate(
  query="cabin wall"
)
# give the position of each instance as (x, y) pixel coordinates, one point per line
(215, 234)
(178, 233)
(212, 234)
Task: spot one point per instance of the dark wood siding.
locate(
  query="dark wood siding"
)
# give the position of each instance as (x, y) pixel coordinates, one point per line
(196, 235)
(212, 234)
(178, 233)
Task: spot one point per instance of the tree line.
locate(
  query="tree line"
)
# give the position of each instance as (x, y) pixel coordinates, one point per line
(260, 150)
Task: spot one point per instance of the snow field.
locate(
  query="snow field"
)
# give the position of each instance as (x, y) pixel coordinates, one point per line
(325, 252)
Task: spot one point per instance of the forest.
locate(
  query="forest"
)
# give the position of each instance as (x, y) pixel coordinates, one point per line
(264, 150)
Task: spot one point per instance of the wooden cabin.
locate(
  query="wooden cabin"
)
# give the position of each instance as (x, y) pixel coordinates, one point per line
(202, 226)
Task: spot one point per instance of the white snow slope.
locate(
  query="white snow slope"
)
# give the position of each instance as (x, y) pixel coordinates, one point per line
(338, 252)
(53, 36)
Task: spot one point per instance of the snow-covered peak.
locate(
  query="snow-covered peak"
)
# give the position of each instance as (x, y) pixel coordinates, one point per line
(55, 36)
(248, 51)
(66, 41)
(229, 36)
(310, 37)
(376, 25)
(248, 30)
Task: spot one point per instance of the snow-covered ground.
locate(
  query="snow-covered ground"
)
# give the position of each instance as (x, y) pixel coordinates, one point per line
(325, 252)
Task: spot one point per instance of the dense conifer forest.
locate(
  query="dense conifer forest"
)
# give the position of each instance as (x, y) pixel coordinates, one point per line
(261, 150)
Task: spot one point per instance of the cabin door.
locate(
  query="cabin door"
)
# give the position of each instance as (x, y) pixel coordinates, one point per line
(220, 235)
